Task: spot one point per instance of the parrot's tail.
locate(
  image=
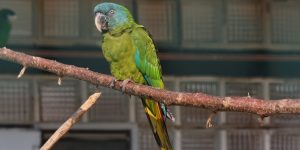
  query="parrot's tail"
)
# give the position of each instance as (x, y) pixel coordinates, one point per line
(157, 121)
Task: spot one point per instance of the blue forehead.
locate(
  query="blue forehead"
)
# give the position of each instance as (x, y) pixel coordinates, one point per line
(7, 12)
(106, 7)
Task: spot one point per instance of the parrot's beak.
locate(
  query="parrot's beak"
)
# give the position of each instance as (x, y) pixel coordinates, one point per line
(12, 18)
(101, 22)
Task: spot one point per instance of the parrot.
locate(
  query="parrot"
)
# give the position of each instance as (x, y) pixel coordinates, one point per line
(131, 55)
(6, 16)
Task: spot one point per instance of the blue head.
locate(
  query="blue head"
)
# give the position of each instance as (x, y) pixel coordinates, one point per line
(113, 18)
(6, 14)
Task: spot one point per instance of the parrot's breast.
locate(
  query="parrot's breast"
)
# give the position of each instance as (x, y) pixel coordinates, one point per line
(119, 52)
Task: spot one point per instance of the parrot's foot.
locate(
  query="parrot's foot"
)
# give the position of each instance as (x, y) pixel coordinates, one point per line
(167, 112)
(170, 115)
(112, 84)
(123, 85)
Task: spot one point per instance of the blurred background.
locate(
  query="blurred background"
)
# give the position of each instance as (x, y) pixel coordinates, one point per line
(220, 47)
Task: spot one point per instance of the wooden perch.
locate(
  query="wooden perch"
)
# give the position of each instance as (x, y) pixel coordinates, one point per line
(65, 127)
(240, 104)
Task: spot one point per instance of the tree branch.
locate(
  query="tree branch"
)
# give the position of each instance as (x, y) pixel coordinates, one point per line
(66, 126)
(241, 104)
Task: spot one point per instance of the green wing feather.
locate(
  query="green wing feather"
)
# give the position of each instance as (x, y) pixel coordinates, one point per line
(146, 58)
(148, 63)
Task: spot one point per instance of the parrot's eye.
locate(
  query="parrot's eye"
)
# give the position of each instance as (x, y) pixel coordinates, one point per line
(111, 12)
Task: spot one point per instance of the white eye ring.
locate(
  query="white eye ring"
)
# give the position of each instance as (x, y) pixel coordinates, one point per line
(112, 11)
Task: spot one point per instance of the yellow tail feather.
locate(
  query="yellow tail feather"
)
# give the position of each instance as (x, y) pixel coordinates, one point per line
(157, 122)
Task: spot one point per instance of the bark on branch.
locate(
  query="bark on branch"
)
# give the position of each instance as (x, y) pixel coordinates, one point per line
(260, 107)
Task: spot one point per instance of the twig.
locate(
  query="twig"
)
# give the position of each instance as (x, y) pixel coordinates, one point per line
(22, 72)
(65, 127)
(59, 81)
(260, 107)
(209, 123)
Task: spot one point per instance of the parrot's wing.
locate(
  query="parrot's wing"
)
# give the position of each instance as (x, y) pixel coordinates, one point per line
(146, 58)
(148, 63)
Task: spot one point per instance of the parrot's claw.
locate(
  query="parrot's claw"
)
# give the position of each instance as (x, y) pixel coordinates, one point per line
(170, 116)
(112, 84)
(124, 83)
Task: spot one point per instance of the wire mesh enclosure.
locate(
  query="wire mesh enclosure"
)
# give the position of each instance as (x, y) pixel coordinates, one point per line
(288, 89)
(113, 106)
(185, 24)
(285, 140)
(158, 17)
(192, 116)
(245, 140)
(140, 112)
(243, 89)
(58, 102)
(20, 99)
(16, 101)
(146, 138)
(285, 21)
(61, 18)
(201, 21)
(193, 139)
(244, 21)
(22, 26)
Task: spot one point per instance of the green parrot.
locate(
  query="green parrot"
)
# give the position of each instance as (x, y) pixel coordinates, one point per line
(6, 16)
(131, 54)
